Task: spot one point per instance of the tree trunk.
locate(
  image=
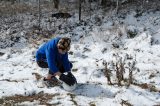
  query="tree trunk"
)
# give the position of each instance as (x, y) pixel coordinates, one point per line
(117, 7)
(39, 17)
(56, 3)
(104, 2)
(79, 10)
(12, 1)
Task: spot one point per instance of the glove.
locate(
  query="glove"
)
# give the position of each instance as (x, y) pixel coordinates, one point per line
(68, 80)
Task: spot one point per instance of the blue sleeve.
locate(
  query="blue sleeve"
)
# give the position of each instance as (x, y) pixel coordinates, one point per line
(66, 63)
(50, 55)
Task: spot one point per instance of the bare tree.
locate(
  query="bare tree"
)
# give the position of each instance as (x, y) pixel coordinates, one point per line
(79, 10)
(12, 1)
(105, 3)
(39, 15)
(117, 7)
(56, 3)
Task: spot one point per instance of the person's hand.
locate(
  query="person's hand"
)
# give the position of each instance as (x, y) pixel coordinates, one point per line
(68, 80)
(58, 73)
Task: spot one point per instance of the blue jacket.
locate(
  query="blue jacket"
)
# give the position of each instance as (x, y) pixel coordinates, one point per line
(49, 53)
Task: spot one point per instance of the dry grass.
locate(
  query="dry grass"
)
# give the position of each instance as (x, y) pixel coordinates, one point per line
(36, 37)
(150, 87)
(72, 98)
(9, 80)
(41, 97)
(75, 70)
(140, 5)
(119, 68)
(8, 9)
(92, 104)
(125, 103)
(152, 75)
(37, 76)
(107, 72)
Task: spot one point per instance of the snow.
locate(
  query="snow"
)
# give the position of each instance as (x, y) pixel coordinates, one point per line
(18, 65)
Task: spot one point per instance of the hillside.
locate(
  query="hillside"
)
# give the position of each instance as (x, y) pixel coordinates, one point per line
(100, 42)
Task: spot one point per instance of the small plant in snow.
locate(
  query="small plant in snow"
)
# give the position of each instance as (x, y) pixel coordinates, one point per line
(120, 66)
(118, 74)
(120, 70)
(107, 72)
(131, 69)
(131, 32)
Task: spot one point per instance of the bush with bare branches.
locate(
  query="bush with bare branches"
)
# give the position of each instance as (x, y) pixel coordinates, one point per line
(120, 67)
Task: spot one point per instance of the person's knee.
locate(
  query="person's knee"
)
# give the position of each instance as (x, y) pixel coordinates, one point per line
(42, 64)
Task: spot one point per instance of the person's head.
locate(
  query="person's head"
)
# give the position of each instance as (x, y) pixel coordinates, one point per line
(64, 45)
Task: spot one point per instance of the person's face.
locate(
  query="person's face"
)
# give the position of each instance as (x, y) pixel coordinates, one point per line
(62, 51)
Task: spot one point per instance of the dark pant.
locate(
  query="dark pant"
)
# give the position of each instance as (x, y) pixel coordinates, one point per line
(43, 64)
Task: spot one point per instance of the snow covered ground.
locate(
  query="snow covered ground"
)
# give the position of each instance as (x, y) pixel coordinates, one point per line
(92, 44)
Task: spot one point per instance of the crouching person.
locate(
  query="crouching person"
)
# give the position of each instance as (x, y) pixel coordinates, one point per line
(54, 55)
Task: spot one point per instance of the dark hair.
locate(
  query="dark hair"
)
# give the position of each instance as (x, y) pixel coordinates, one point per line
(64, 43)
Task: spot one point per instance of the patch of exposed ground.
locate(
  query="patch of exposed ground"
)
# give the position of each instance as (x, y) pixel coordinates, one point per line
(43, 99)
